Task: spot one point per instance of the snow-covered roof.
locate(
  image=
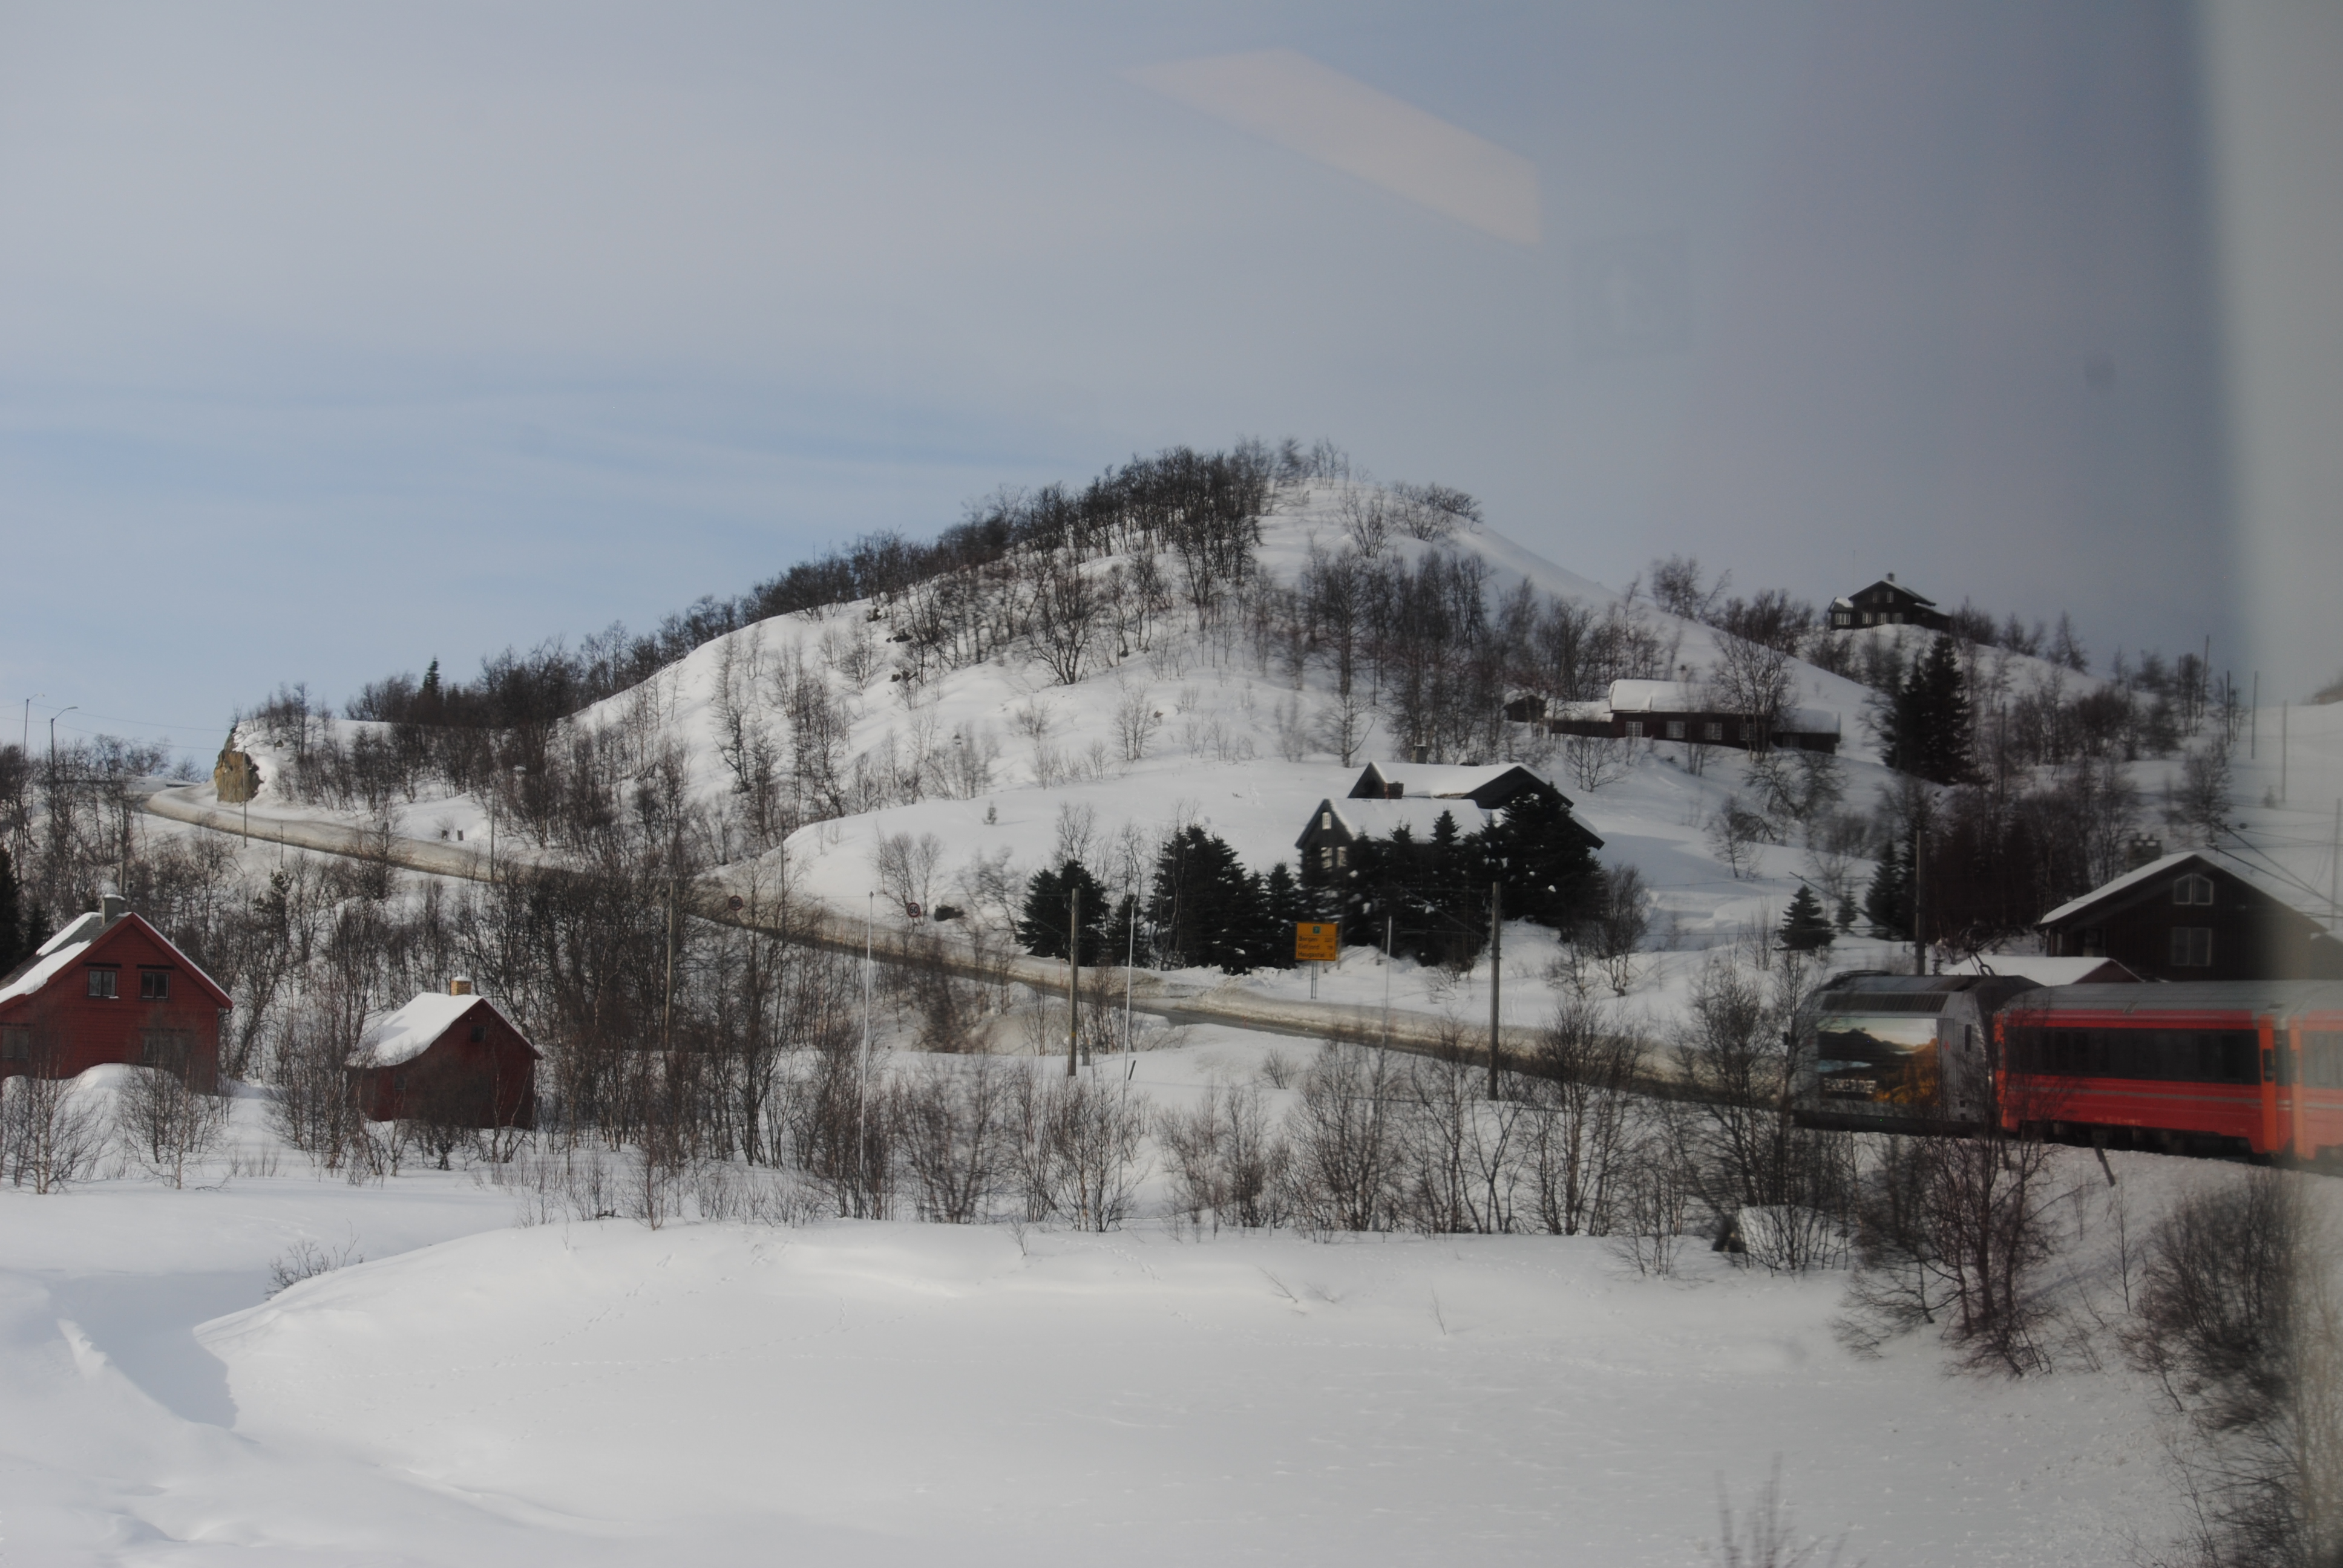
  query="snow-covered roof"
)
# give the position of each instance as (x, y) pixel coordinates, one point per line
(1447, 780)
(411, 1030)
(1686, 697)
(1657, 697)
(52, 961)
(61, 951)
(2165, 867)
(80, 932)
(2040, 970)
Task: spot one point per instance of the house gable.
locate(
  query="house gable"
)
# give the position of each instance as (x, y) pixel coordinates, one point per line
(2187, 916)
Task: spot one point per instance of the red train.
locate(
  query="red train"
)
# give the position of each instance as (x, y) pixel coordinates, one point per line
(2218, 1067)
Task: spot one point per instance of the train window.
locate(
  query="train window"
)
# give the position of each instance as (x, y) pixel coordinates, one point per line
(2193, 889)
(2192, 947)
(2322, 1059)
(2204, 1055)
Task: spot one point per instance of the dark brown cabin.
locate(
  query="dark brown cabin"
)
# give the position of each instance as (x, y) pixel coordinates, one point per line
(2187, 916)
(1887, 603)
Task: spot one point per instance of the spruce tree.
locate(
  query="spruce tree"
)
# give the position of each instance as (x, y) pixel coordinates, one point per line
(1286, 907)
(1887, 903)
(1207, 909)
(1804, 928)
(1929, 721)
(1547, 870)
(1944, 752)
(1041, 924)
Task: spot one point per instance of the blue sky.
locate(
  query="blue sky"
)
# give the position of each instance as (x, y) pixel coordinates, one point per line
(336, 339)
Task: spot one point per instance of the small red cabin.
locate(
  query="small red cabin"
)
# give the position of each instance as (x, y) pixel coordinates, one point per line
(110, 988)
(454, 1058)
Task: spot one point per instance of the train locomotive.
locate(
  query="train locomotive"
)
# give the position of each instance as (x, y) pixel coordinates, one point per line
(2229, 1068)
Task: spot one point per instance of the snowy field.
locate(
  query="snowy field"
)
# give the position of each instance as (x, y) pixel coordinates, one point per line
(896, 1393)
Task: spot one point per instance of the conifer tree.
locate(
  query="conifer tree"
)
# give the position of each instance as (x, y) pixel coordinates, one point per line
(1206, 909)
(1041, 924)
(1546, 868)
(1887, 903)
(1804, 928)
(1929, 723)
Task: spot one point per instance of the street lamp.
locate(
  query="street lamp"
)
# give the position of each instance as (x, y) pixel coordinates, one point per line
(60, 713)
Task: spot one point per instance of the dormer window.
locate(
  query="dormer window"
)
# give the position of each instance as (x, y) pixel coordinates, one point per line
(2193, 889)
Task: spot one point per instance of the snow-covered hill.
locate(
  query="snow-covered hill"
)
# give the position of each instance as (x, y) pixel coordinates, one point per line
(973, 778)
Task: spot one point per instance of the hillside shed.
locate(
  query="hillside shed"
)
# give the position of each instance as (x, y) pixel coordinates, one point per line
(2187, 916)
(453, 1059)
(110, 988)
(1688, 713)
(1887, 603)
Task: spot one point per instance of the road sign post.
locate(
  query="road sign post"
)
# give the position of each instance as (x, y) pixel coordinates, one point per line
(1317, 942)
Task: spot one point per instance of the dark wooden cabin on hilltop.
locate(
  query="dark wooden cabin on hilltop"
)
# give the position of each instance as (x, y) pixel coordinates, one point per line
(1887, 603)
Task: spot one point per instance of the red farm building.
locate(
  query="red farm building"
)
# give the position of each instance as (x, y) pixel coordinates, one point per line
(110, 988)
(453, 1059)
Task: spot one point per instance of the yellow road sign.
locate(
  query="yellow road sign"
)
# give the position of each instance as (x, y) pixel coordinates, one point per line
(1321, 942)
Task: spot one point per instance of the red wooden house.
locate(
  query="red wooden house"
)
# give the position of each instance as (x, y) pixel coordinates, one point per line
(110, 988)
(453, 1059)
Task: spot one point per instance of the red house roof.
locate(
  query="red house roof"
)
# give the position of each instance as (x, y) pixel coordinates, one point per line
(88, 939)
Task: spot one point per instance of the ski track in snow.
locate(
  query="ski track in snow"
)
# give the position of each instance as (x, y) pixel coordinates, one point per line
(891, 1393)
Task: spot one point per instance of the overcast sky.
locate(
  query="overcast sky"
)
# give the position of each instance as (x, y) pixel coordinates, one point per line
(333, 339)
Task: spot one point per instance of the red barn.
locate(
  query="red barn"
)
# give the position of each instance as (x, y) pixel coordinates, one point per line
(110, 988)
(453, 1059)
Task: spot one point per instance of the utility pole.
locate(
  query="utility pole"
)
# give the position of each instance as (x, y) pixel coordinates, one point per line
(2283, 712)
(862, 1064)
(1129, 963)
(1390, 926)
(1073, 974)
(667, 1005)
(2335, 873)
(1496, 972)
(1919, 906)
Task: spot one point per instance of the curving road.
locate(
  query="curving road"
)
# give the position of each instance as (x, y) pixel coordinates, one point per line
(1151, 992)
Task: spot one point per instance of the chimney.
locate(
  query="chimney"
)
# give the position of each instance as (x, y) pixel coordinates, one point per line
(113, 906)
(1891, 576)
(459, 987)
(2142, 850)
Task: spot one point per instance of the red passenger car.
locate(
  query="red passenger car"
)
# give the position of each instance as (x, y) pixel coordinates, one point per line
(2224, 1067)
